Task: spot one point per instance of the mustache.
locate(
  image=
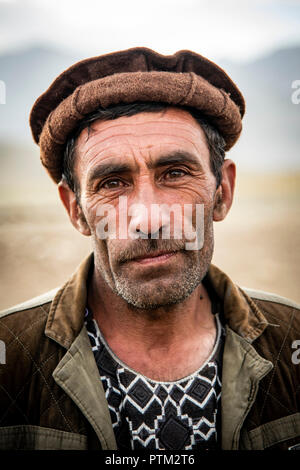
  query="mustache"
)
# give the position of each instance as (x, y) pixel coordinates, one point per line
(144, 247)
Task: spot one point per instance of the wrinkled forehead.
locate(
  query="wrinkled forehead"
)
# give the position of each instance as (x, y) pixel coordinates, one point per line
(147, 132)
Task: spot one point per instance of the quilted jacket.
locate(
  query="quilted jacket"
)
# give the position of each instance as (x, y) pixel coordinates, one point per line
(51, 395)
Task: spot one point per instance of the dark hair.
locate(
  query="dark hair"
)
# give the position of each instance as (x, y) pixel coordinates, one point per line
(215, 141)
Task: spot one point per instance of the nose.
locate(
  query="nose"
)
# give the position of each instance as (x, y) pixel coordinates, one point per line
(144, 211)
(144, 224)
(145, 220)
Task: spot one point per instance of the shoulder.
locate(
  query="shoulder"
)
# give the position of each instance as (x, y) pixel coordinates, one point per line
(27, 361)
(22, 326)
(282, 335)
(33, 303)
(277, 310)
(24, 345)
(268, 297)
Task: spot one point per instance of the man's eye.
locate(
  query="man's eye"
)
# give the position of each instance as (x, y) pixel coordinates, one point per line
(112, 184)
(173, 174)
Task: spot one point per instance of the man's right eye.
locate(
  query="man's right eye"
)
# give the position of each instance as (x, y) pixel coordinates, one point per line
(113, 183)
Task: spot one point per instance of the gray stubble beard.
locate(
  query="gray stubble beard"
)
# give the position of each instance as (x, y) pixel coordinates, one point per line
(160, 295)
(155, 294)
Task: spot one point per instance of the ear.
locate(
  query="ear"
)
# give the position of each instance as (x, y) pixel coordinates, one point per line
(74, 210)
(224, 193)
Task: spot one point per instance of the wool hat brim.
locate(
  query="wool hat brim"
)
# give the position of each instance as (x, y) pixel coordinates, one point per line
(139, 74)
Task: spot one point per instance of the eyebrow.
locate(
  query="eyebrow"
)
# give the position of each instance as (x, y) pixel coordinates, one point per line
(104, 169)
(178, 156)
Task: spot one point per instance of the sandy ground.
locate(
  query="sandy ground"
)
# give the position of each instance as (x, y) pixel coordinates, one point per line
(258, 245)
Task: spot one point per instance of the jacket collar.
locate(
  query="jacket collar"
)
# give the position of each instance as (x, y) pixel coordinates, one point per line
(78, 375)
(66, 316)
(240, 312)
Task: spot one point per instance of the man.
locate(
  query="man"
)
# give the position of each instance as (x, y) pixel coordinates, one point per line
(147, 345)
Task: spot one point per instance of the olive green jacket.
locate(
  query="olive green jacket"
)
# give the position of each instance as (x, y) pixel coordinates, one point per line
(51, 395)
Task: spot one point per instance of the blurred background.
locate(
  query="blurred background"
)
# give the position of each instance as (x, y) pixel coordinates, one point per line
(257, 43)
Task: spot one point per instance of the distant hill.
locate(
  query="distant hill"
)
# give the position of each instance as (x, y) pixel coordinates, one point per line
(270, 140)
(26, 74)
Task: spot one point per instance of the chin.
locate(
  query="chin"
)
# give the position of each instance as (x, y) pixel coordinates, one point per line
(150, 297)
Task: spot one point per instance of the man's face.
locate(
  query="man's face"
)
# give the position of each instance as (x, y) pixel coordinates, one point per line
(151, 158)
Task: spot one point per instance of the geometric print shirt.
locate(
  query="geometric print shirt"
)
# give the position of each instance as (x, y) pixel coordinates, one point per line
(148, 414)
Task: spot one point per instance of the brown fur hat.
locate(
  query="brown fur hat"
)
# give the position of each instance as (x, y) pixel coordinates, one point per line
(137, 74)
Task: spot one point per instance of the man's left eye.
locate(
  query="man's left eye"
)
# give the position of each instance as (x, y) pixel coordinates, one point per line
(173, 174)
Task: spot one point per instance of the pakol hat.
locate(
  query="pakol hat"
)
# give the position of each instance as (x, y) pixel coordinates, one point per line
(138, 74)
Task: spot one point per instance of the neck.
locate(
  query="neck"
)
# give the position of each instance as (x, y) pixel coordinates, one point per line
(160, 327)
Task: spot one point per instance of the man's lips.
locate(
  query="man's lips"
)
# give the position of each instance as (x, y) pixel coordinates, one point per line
(152, 258)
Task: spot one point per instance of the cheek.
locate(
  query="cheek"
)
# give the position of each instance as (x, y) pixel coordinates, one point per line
(97, 209)
(104, 225)
(97, 214)
(201, 199)
(196, 189)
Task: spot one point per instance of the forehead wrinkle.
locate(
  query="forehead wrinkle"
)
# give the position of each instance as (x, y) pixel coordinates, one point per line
(192, 129)
(116, 123)
(148, 153)
(117, 143)
(134, 135)
(131, 144)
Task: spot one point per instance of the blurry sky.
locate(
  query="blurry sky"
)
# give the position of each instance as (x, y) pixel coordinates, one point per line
(252, 39)
(231, 29)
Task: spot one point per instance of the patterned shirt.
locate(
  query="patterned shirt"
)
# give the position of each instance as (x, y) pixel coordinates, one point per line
(178, 415)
